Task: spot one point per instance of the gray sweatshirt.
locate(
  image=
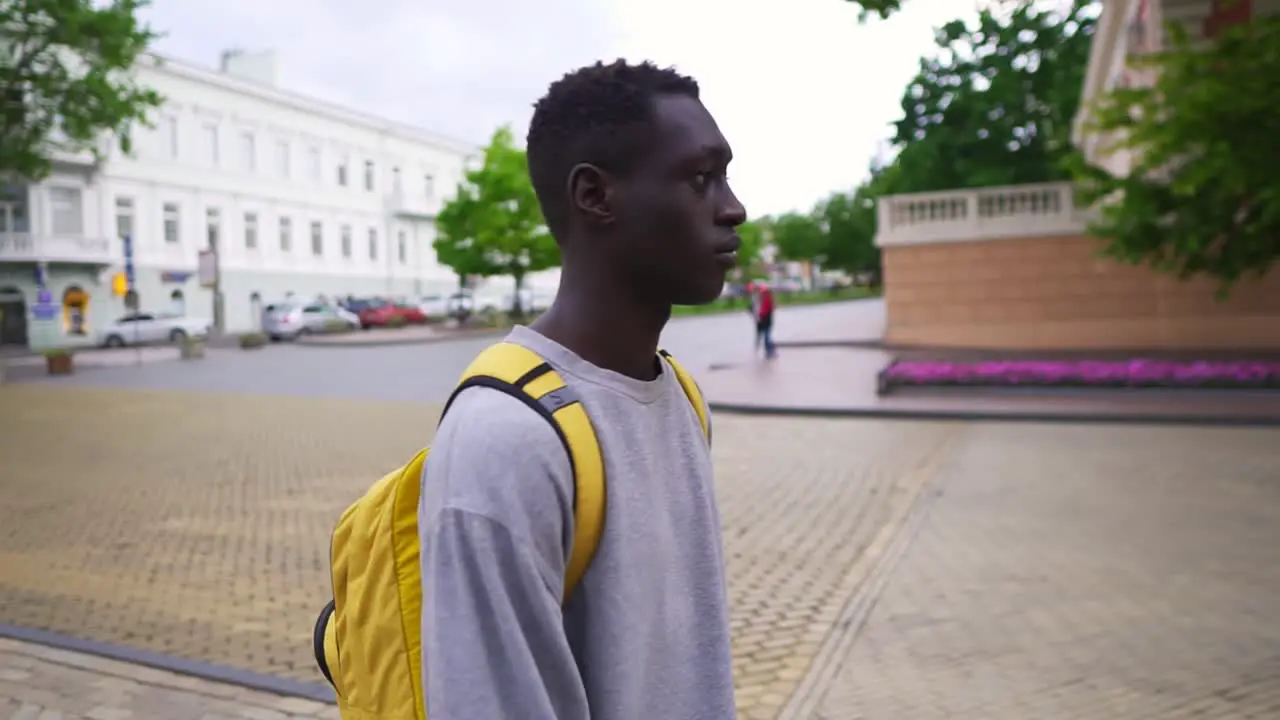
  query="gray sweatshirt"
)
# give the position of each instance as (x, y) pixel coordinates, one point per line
(646, 634)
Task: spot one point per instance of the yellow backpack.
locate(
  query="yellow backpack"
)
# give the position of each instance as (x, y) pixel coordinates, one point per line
(368, 638)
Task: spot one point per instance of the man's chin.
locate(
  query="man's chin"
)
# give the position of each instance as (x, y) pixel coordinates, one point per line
(704, 297)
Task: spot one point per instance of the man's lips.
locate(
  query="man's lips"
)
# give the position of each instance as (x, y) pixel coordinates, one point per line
(727, 254)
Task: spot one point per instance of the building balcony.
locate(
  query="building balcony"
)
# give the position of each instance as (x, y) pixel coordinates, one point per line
(1020, 211)
(26, 247)
(405, 205)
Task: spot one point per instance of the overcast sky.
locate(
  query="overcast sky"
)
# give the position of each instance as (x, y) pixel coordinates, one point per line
(803, 92)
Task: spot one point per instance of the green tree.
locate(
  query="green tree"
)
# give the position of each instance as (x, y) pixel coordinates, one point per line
(1203, 195)
(995, 104)
(493, 225)
(879, 8)
(850, 222)
(799, 236)
(65, 79)
(752, 236)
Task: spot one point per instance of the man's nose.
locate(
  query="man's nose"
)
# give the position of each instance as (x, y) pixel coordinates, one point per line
(731, 213)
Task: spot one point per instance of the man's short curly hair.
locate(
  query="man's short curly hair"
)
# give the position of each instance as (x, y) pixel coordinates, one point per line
(596, 114)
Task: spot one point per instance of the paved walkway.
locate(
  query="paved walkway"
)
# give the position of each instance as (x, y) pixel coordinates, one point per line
(876, 570)
(831, 366)
(843, 381)
(197, 524)
(1055, 575)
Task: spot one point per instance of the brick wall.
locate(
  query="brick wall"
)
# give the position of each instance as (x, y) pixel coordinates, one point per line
(1053, 293)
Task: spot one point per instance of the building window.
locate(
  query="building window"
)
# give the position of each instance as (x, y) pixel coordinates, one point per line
(171, 136)
(248, 151)
(395, 179)
(212, 154)
(251, 230)
(346, 241)
(213, 222)
(342, 175)
(429, 185)
(172, 223)
(315, 165)
(373, 243)
(68, 217)
(124, 217)
(317, 239)
(282, 158)
(286, 234)
(402, 249)
(368, 175)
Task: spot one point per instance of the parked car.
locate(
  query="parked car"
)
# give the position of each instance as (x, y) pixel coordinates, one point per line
(371, 311)
(142, 328)
(286, 321)
(448, 306)
(412, 314)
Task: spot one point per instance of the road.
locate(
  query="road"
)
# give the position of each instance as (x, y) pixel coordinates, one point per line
(428, 372)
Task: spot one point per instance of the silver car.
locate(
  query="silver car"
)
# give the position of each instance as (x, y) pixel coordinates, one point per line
(286, 321)
(143, 328)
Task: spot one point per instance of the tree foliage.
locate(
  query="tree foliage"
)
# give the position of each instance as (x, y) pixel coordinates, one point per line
(850, 223)
(1203, 195)
(65, 79)
(879, 8)
(752, 236)
(995, 104)
(493, 225)
(799, 236)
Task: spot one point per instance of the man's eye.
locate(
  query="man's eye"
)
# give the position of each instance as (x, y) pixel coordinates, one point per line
(703, 180)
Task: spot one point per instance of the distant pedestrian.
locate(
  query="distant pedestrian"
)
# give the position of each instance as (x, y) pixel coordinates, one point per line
(762, 306)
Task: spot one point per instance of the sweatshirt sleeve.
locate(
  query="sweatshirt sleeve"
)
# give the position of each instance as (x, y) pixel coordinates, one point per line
(494, 518)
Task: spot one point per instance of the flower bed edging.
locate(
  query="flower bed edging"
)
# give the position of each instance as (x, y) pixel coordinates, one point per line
(1135, 373)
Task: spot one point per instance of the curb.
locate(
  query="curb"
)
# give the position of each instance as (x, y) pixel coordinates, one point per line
(181, 666)
(412, 341)
(989, 416)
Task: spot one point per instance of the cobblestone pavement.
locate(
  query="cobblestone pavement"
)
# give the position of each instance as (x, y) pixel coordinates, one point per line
(197, 524)
(1051, 571)
(1063, 572)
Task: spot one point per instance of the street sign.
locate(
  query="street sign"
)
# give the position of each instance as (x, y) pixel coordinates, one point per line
(44, 311)
(208, 269)
(127, 241)
(119, 284)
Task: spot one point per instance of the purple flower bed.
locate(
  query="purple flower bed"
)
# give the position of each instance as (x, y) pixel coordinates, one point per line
(1082, 373)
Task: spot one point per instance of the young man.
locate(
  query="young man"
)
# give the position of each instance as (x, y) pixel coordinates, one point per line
(630, 171)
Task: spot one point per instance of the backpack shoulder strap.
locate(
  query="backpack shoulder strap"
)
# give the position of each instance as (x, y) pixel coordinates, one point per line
(692, 390)
(523, 374)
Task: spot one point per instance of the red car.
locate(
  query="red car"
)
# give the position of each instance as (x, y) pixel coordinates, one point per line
(412, 315)
(380, 313)
(372, 313)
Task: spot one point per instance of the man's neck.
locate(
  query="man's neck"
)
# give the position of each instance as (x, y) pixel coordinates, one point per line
(605, 328)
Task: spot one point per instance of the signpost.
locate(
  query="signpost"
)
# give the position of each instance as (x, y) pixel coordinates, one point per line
(44, 333)
(208, 276)
(131, 299)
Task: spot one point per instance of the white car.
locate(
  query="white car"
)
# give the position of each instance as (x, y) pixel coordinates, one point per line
(446, 306)
(142, 328)
(530, 301)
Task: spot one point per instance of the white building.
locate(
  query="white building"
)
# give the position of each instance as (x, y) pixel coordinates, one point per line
(299, 196)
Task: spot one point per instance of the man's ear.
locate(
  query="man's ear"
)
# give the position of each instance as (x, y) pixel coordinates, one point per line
(591, 193)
